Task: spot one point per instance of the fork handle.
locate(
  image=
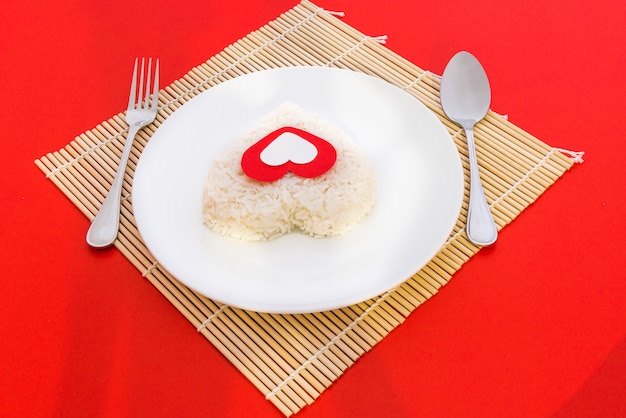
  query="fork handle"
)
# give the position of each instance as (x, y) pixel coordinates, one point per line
(105, 226)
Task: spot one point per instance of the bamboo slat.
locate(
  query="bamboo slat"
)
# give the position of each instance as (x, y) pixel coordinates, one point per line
(292, 359)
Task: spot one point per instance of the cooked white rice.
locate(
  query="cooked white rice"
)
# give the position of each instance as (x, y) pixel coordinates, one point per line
(329, 205)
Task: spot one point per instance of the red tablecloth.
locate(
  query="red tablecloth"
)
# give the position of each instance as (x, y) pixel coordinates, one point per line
(534, 326)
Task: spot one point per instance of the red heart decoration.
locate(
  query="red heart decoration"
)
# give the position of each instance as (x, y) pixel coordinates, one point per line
(255, 167)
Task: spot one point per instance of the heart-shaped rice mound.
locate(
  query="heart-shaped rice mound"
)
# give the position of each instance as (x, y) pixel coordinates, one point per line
(240, 207)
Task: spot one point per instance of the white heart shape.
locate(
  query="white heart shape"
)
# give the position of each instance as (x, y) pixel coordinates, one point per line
(288, 147)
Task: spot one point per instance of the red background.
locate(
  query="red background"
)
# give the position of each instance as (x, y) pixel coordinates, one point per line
(533, 327)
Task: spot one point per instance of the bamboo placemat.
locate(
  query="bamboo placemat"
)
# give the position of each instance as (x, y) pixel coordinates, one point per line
(292, 359)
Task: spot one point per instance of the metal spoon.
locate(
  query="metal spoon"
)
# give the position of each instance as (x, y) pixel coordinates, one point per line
(465, 98)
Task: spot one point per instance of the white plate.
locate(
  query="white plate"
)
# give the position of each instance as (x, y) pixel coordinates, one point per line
(418, 198)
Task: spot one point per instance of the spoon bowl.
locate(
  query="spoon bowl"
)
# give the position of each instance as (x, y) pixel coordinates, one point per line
(465, 98)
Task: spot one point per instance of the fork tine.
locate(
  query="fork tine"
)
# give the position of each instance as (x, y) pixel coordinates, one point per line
(140, 98)
(147, 97)
(155, 89)
(133, 88)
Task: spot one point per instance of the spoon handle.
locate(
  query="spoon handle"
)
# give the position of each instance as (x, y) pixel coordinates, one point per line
(481, 228)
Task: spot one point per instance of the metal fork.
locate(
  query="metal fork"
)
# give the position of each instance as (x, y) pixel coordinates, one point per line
(105, 225)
